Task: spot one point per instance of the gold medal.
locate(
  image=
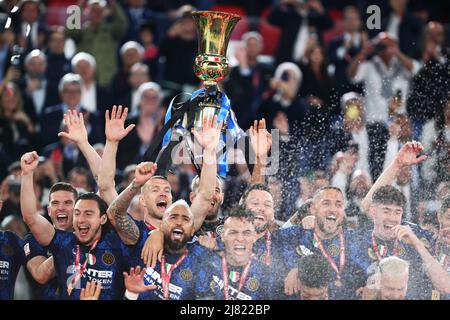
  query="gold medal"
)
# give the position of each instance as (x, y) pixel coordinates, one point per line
(435, 295)
(338, 283)
(333, 250)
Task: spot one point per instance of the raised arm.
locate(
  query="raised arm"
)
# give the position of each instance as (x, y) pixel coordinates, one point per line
(114, 132)
(208, 139)
(261, 141)
(438, 275)
(407, 156)
(41, 228)
(77, 133)
(117, 212)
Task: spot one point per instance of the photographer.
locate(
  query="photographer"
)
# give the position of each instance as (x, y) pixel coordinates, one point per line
(384, 70)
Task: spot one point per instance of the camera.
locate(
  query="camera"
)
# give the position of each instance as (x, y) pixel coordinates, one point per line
(16, 58)
(379, 47)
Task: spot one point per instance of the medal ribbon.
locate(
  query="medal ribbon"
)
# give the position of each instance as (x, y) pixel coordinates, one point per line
(376, 249)
(166, 274)
(438, 256)
(225, 277)
(330, 259)
(268, 259)
(79, 269)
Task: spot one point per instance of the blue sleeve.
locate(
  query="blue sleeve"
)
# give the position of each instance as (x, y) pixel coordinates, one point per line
(424, 235)
(290, 238)
(17, 244)
(32, 248)
(60, 240)
(204, 274)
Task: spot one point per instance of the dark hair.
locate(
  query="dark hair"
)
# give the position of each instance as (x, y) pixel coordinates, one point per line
(63, 186)
(258, 186)
(389, 195)
(102, 205)
(314, 271)
(240, 212)
(445, 205)
(147, 26)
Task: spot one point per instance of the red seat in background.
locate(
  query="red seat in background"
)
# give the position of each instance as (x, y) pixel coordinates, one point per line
(271, 36)
(230, 9)
(56, 11)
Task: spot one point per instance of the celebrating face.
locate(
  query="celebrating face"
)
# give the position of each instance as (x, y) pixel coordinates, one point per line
(328, 208)
(178, 227)
(87, 221)
(156, 197)
(238, 236)
(60, 209)
(385, 218)
(260, 202)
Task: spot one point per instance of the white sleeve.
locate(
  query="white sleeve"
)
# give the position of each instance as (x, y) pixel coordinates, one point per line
(362, 72)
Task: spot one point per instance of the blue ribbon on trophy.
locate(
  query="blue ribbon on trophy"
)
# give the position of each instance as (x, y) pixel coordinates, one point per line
(211, 66)
(226, 114)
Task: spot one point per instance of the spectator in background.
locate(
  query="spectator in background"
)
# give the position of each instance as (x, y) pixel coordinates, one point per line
(248, 80)
(355, 216)
(70, 92)
(151, 50)
(345, 164)
(404, 26)
(138, 75)
(58, 64)
(127, 177)
(385, 75)
(436, 139)
(371, 137)
(283, 97)
(299, 21)
(317, 85)
(81, 179)
(400, 132)
(101, 36)
(38, 93)
(148, 119)
(93, 96)
(17, 132)
(131, 53)
(431, 85)
(342, 49)
(137, 14)
(6, 45)
(30, 13)
(11, 200)
(178, 50)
